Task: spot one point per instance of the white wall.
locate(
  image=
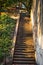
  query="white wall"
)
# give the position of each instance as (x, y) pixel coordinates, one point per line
(37, 22)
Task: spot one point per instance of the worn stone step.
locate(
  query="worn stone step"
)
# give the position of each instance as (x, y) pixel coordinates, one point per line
(24, 48)
(24, 62)
(23, 44)
(22, 56)
(24, 59)
(31, 46)
(27, 34)
(29, 50)
(29, 56)
(24, 53)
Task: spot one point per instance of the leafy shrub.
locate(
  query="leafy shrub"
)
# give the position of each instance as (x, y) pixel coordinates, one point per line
(6, 26)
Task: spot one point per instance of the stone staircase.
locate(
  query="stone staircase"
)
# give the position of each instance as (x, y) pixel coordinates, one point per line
(24, 53)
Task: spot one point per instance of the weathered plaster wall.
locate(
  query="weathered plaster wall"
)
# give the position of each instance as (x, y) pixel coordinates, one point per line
(37, 21)
(42, 22)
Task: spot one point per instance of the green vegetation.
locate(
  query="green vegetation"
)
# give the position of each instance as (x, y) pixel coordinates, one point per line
(6, 27)
(9, 3)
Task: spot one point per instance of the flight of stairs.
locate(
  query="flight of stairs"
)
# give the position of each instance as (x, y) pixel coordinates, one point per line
(24, 53)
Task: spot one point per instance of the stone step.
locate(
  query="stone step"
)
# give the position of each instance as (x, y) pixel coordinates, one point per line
(24, 59)
(24, 62)
(29, 50)
(19, 56)
(24, 46)
(24, 53)
(16, 53)
(24, 49)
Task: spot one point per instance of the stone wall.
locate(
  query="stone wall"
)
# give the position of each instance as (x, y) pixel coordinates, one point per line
(37, 22)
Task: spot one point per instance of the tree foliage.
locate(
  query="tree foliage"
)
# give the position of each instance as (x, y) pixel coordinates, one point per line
(6, 3)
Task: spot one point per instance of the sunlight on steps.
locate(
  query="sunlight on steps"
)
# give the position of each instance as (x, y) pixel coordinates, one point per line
(24, 53)
(28, 26)
(28, 41)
